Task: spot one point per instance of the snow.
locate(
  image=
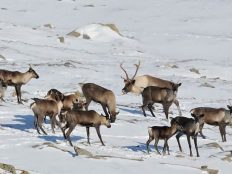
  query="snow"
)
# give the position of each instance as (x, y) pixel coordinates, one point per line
(187, 34)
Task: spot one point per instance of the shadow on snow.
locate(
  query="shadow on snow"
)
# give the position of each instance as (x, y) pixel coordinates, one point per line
(23, 123)
(142, 147)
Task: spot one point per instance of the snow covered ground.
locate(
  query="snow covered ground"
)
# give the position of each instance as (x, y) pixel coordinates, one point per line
(170, 37)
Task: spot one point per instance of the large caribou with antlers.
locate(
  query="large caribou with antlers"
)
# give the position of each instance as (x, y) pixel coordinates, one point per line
(17, 79)
(137, 84)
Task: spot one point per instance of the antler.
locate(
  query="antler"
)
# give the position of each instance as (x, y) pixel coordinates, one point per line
(127, 77)
(137, 68)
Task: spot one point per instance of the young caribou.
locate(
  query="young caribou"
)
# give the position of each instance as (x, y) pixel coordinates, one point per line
(162, 132)
(46, 107)
(137, 84)
(17, 79)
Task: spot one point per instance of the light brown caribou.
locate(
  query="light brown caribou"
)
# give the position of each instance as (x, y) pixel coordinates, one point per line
(46, 107)
(17, 79)
(220, 117)
(137, 84)
(88, 119)
(103, 96)
(71, 101)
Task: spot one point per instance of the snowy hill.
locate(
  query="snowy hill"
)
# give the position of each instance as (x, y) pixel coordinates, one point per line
(183, 41)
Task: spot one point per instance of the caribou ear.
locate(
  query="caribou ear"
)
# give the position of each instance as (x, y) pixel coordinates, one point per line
(117, 113)
(133, 81)
(228, 106)
(179, 84)
(193, 115)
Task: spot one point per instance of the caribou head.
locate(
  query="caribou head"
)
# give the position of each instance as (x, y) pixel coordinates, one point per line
(32, 72)
(129, 83)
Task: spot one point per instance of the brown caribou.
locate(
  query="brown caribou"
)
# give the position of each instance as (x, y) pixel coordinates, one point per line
(220, 117)
(88, 119)
(164, 96)
(17, 79)
(103, 96)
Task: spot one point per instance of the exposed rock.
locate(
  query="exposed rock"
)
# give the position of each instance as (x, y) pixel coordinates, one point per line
(68, 64)
(203, 77)
(213, 145)
(74, 33)
(194, 70)
(48, 26)
(171, 66)
(81, 151)
(210, 171)
(215, 78)
(24, 172)
(228, 157)
(112, 27)
(85, 36)
(90, 5)
(78, 33)
(207, 85)
(61, 39)
(8, 168)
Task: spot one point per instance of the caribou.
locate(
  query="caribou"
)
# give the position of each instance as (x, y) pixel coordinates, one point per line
(88, 119)
(189, 127)
(165, 96)
(17, 79)
(220, 117)
(162, 132)
(103, 96)
(136, 85)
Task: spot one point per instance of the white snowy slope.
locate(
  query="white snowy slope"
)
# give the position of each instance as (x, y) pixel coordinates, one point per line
(170, 37)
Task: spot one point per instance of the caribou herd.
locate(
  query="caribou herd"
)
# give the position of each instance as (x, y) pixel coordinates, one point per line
(68, 111)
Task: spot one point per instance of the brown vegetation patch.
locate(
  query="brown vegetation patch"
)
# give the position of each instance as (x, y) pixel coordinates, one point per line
(11, 169)
(112, 27)
(61, 39)
(194, 70)
(228, 157)
(74, 34)
(213, 145)
(210, 171)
